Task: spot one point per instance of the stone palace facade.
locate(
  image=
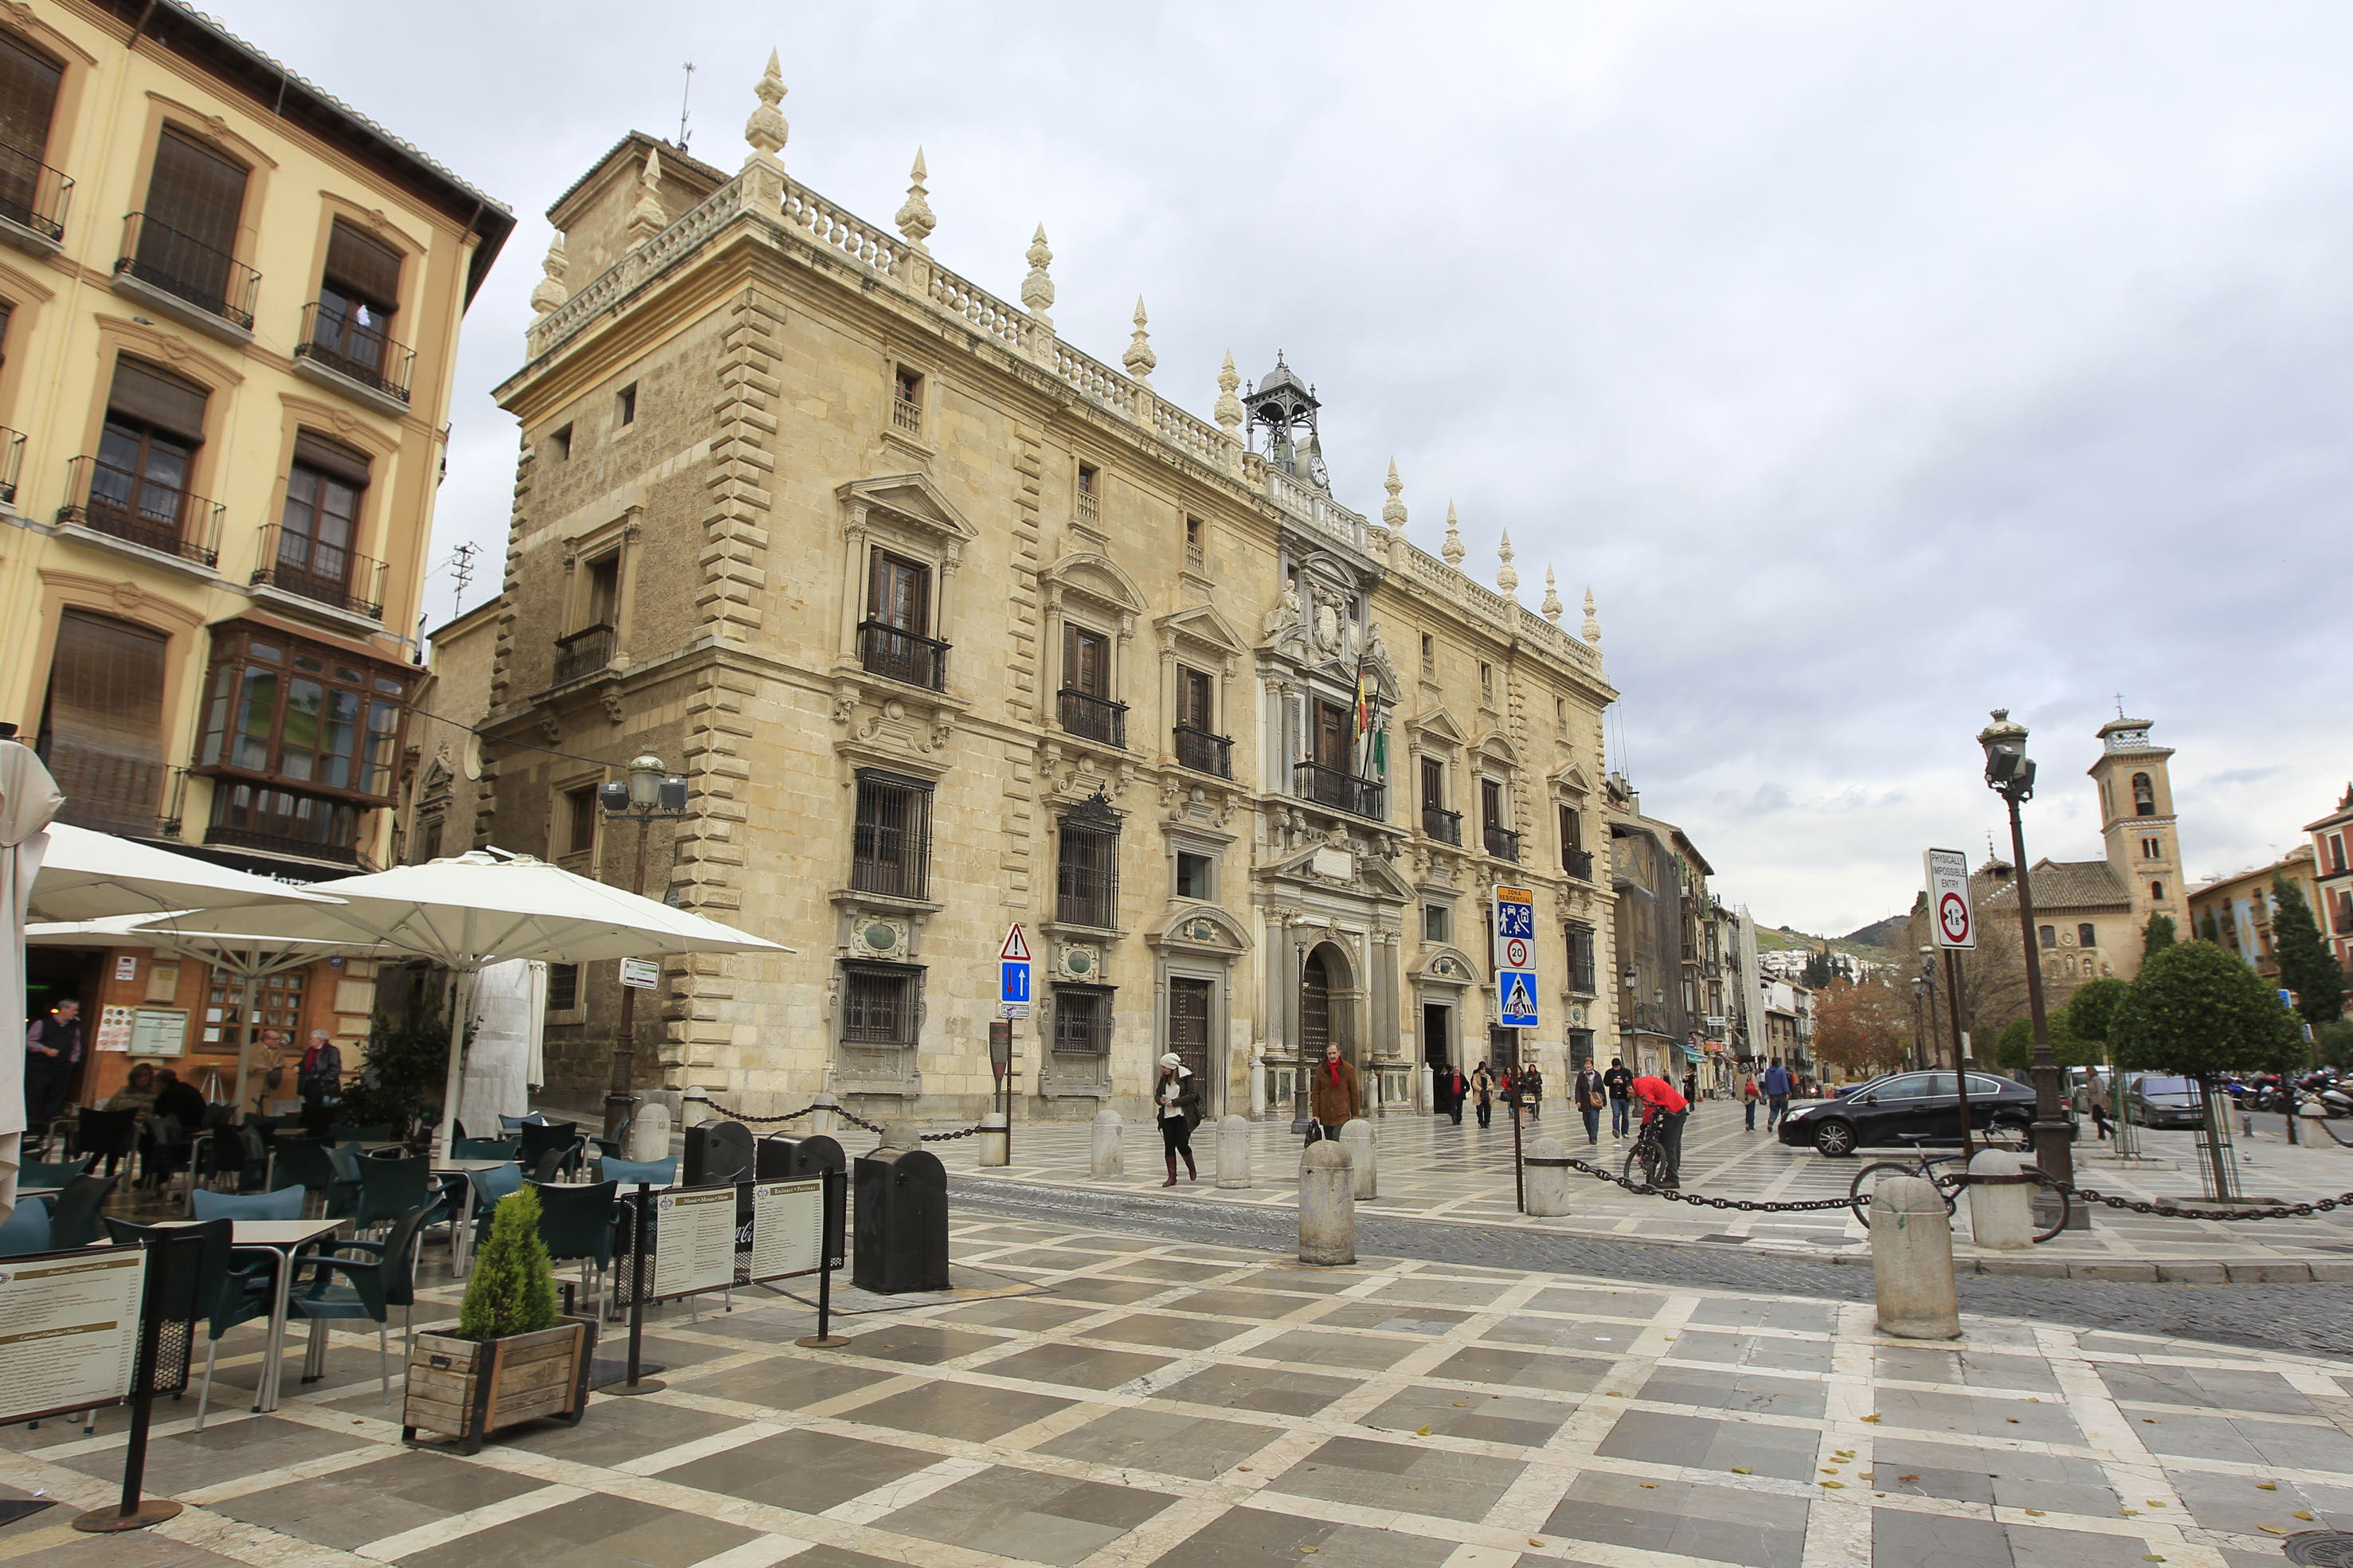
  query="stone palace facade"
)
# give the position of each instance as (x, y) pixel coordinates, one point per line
(948, 626)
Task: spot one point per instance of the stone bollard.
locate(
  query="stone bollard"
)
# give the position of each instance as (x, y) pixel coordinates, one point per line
(996, 1140)
(649, 1132)
(1257, 1086)
(1548, 1177)
(2001, 1213)
(900, 1134)
(1357, 1137)
(825, 1114)
(1103, 1159)
(1327, 1205)
(694, 1108)
(1234, 1151)
(1912, 1260)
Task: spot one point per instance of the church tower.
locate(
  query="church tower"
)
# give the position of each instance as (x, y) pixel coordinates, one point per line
(2138, 824)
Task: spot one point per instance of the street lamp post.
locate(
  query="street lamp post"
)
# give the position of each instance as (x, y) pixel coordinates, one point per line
(2010, 774)
(650, 794)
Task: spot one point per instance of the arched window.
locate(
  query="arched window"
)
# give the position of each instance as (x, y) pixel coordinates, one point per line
(2087, 936)
(2050, 936)
(2157, 890)
(2144, 797)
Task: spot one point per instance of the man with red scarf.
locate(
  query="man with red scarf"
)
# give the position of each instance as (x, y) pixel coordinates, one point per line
(1331, 1090)
(1661, 1102)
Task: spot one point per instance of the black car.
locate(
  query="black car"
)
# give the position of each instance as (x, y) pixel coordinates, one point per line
(1880, 1111)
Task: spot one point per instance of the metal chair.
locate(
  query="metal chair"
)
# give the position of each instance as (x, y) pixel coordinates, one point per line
(629, 1172)
(26, 1229)
(73, 1218)
(375, 1285)
(537, 1141)
(286, 1203)
(311, 1166)
(486, 1148)
(578, 1223)
(391, 1185)
(227, 1294)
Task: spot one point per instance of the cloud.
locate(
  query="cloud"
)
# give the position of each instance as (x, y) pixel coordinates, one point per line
(1876, 365)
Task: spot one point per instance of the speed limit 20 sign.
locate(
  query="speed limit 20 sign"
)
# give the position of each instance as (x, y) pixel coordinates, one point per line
(1949, 899)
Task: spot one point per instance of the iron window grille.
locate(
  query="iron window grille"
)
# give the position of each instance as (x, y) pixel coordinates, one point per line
(1086, 873)
(890, 840)
(878, 1006)
(1081, 1021)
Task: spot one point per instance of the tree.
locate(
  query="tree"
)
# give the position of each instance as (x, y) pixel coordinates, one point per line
(2013, 1048)
(2196, 1010)
(2156, 936)
(512, 1289)
(406, 1068)
(2305, 965)
(2093, 1008)
(2335, 1043)
(1817, 972)
(1861, 1028)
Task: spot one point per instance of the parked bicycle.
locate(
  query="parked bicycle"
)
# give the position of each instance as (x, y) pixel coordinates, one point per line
(1646, 1161)
(1946, 1174)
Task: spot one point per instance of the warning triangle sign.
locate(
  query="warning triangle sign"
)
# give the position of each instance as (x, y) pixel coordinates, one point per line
(1015, 950)
(1518, 1001)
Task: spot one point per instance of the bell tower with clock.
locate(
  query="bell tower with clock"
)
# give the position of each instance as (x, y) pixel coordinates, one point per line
(1283, 410)
(2137, 824)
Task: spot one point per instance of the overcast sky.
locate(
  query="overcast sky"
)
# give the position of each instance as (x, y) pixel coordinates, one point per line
(1876, 365)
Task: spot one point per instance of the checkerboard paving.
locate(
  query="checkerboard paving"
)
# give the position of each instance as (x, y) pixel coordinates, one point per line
(1183, 1406)
(1431, 1169)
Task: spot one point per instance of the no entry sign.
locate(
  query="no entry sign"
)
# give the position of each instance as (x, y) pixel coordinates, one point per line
(1949, 899)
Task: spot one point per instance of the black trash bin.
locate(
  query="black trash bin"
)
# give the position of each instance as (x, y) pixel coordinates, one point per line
(783, 1157)
(717, 1151)
(901, 1239)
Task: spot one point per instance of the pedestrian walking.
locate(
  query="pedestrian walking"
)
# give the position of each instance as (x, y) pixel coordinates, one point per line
(1179, 1097)
(1776, 1086)
(1670, 1109)
(53, 1050)
(1532, 1090)
(1749, 1096)
(1483, 1092)
(1619, 1082)
(2100, 1119)
(319, 1079)
(1332, 1091)
(1455, 1088)
(1589, 1095)
(1691, 1085)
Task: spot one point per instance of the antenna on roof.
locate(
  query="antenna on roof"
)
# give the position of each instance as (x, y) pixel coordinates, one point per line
(461, 569)
(684, 94)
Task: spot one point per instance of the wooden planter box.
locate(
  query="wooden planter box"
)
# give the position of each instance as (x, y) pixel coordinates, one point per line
(468, 1389)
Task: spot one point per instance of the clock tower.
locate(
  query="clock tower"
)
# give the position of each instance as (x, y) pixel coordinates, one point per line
(2138, 824)
(1283, 411)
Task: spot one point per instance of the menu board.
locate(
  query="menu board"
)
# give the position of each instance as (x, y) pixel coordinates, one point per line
(68, 1331)
(694, 1240)
(159, 1031)
(787, 1227)
(114, 1025)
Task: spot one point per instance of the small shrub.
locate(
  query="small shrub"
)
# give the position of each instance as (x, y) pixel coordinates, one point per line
(513, 1290)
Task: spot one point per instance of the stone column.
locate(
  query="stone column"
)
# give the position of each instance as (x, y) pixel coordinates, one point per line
(1327, 1205)
(694, 1108)
(2002, 1213)
(1912, 1260)
(1234, 1151)
(1104, 1158)
(1357, 1137)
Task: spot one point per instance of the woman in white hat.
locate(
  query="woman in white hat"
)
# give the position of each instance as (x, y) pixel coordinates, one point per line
(1178, 1097)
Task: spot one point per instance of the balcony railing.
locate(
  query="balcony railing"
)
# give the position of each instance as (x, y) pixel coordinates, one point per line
(282, 844)
(582, 654)
(1503, 843)
(327, 574)
(12, 462)
(188, 269)
(1341, 790)
(1578, 863)
(1444, 826)
(907, 414)
(903, 655)
(133, 507)
(1203, 752)
(32, 195)
(1095, 718)
(356, 349)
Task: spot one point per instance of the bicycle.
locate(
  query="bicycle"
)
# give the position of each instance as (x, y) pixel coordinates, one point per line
(1949, 1184)
(1648, 1158)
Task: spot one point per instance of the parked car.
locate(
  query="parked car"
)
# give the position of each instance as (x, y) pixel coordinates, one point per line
(1874, 1114)
(2156, 1102)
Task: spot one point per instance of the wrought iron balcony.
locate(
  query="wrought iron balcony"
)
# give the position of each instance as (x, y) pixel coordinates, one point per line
(12, 462)
(1341, 790)
(32, 195)
(1578, 863)
(282, 844)
(329, 573)
(212, 281)
(354, 348)
(1444, 826)
(1095, 718)
(1203, 752)
(128, 506)
(1503, 843)
(582, 654)
(901, 655)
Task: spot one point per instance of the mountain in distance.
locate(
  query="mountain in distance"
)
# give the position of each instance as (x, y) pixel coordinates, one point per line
(1880, 942)
(1886, 936)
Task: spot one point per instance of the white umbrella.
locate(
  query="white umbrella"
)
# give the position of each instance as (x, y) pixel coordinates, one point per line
(487, 907)
(88, 876)
(28, 799)
(250, 959)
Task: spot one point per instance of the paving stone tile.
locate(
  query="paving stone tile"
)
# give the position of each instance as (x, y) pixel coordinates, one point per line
(1523, 1368)
(1721, 1525)
(1441, 1293)
(223, 1451)
(1390, 1318)
(1513, 1419)
(1253, 1306)
(1168, 1333)
(1932, 1541)
(1029, 1516)
(1107, 1292)
(789, 1383)
(598, 1530)
(1770, 1352)
(1301, 1281)
(1409, 1478)
(1747, 1393)
(1273, 1391)
(1316, 1347)
(617, 1430)
(1910, 1409)
(1259, 1538)
(1759, 1312)
(803, 1471)
(1603, 1338)
(2235, 1503)
(2043, 1546)
(1163, 1441)
(1971, 1369)
(949, 1409)
(2052, 1482)
(1638, 1305)
(1703, 1443)
(921, 1344)
(2293, 1445)
(1023, 1312)
(1081, 1366)
(350, 1507)
(2206, 1388)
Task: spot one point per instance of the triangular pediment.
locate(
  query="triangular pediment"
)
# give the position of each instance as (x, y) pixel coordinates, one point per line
(1572, 779)
(912, 499)
(1203, 624)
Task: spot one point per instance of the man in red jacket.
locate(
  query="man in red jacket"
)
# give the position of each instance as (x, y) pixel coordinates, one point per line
(1660, 1101)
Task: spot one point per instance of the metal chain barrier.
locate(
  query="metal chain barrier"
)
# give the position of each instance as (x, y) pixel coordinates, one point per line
(2171, 1211)
(844, 1112)
(765, 1120)
(944, 1137)
(1754, 1205)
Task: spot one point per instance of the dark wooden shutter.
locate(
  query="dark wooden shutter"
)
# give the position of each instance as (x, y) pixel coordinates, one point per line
(363, 268)
(898, 593)
(1086, 661)
(332, 459)
(28, 100)
(103, 730)
(1433, 783)
(153, 395)
(196, 192)
(1332, 739)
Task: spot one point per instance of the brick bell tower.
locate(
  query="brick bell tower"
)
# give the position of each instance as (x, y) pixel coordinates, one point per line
(2139, 828)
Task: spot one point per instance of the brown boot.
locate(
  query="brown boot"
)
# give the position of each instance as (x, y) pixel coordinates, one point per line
(1171, 1172)
(1191, 1174)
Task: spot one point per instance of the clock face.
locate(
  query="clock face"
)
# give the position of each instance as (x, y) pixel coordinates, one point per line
(1317, 471)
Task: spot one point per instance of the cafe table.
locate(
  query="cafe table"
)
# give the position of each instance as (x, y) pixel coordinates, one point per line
(284, 1237)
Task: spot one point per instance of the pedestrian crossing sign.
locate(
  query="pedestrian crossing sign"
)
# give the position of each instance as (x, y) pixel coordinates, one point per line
(1517, 998)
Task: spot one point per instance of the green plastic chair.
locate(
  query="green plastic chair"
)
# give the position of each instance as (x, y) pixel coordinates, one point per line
(311, 1166)
(286, 1203)
(26, 1228)
(490, 1186)
(73, 1218)
(629, 1172)
(53, 1174)
(367, 1287)
(579, 1222)
(486, 1148)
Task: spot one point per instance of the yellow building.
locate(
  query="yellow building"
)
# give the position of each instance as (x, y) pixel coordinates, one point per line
(2236, 911)
(950, 626)
(229, 308)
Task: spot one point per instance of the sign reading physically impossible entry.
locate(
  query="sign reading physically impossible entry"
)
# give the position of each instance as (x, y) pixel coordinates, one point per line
(1013, 974)
(1949, 899)
(1515, 970)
